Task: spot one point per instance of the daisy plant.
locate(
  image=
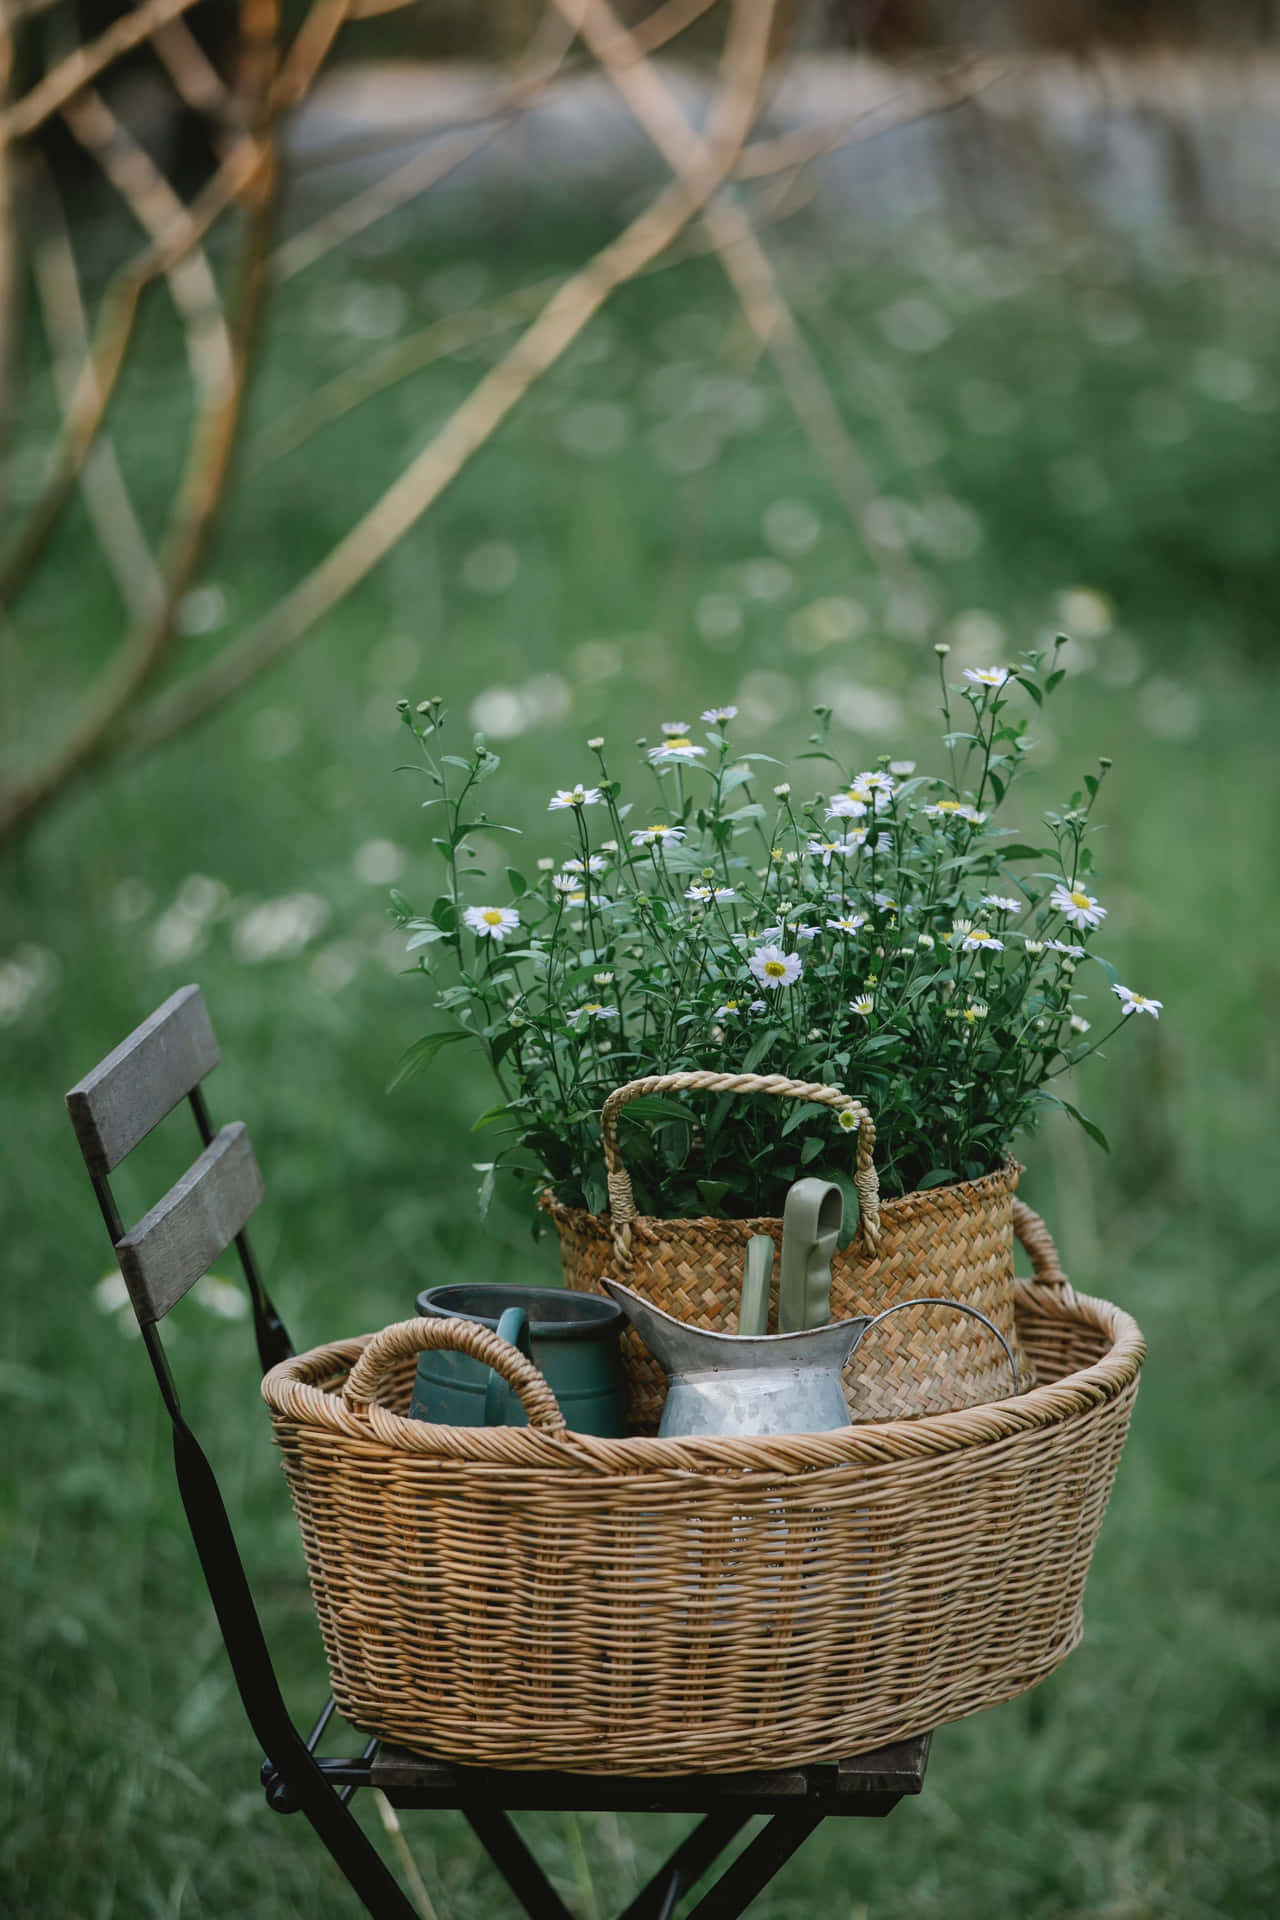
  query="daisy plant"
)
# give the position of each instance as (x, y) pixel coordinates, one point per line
(886, 933)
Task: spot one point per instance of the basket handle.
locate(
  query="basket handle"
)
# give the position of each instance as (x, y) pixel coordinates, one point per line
(622, 1202)
(1035, 1236)
(461, 1336)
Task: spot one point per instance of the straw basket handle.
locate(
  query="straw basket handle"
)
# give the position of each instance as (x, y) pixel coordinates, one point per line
(408, 1337)
(1035, 1236)
(622, 1202)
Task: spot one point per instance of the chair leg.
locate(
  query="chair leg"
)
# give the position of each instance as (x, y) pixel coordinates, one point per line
(509, 1854)
(351, 1850)
(755, 1867)
(691, 1859)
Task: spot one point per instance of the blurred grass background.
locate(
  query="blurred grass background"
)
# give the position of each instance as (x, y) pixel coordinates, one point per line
(1066, 433)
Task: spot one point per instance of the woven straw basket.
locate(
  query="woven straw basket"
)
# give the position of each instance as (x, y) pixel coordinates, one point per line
(531, 1598)
(952, 1241)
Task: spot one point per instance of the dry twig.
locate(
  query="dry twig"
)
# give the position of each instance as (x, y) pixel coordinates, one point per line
(84, 64)
(557, 326)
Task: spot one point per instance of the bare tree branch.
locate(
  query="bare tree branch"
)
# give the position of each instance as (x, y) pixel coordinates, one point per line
(189, 67)
(236, 177)
(158, 209)
(51, 94)
(106, 497)
(97, 729)
(560, 322)
(749, 272)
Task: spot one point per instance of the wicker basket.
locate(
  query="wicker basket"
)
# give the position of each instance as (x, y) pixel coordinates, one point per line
(530, 1598)
(955, 1241)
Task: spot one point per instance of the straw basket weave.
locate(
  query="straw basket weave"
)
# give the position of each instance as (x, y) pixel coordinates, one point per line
(532, 1598)
(955, 1241)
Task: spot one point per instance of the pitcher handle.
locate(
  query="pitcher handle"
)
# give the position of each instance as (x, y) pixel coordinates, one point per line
(513, 1327)
(959, 1307)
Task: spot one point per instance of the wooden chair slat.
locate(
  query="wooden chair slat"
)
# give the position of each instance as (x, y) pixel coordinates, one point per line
(198, 1218)
(142, 1080)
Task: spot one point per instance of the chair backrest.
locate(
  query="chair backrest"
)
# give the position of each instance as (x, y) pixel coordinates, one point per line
(162, 1063)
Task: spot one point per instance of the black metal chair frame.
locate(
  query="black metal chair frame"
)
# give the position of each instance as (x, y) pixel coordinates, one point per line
(160, 1064)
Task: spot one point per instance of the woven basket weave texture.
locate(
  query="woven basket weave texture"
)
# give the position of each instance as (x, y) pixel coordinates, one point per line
(954, 1241)
(530, 1598)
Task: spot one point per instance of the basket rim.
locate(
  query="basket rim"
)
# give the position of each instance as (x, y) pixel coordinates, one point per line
(895, 1208)
(306, 1390)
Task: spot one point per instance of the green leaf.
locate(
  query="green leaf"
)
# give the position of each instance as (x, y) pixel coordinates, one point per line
(424, 938)
(444, 913)
(811, 1148)
(713, 1193)
(1018, 852)
(936, 1177)
(1091, 1127)
(757, 1050)
(417, 1058)
(491, 1116)
(516, 881)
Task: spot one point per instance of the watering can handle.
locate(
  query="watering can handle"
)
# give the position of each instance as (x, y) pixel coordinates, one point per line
(513, 1327)
(960, 1307)
(622, 1202)
(409, 1337)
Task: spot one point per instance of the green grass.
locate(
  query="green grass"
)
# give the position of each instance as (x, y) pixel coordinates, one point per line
(1142, 1778)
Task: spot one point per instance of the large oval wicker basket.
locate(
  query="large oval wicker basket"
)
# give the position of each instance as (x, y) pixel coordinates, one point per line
(531, 1598)
(955, 1241)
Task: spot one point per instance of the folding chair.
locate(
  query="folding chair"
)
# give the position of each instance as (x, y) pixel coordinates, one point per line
(162, 1063)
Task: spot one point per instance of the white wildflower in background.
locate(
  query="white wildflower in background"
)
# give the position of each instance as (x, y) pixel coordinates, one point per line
(986, 676)
(1077, 906)
(926, 941)
(847, 923)
(715, 716)
(978, 940)
(976, 1010)
(1062, 946)
(602, 979)
(999, 904)
(1033, 946)
(1079, 1024)
(954, 810)
(773, 968)
(758, 1006)
(848, 806)
(864, 1005)
(782, 790)
(593, 1010)
(902, 769)
(579, 796)
(874, 782)
(676, 748)
(1131, 1002)
(491, 923)
(657, 836)
(847, 1120)
(592, 864)
(959, 929)
(570, 885)
(727, 1011)
(546, 866)
(675, 728)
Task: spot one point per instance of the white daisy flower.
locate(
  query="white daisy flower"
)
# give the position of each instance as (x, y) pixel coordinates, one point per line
(874, 782)
(677, 746)
(902, 769)
(1079, 1024)
(848, 923)
(828, 850)
(925, 940)
(781, 791)
(885, 901)
(579, 796)
(593, 1010)
(1033, 946)
(657, 836)
(596, 744)
(1061, 946)
(570, 887)
(608, 846)
(802, 930)
(978, 940)
(847, 1120)
(986, 676)
(1077, 906)
(773, 968)
(675, 729)
(593, 864)
(994, 900)
(546, 866)
(602, 979)
(976, 1010)
(727, 1011)
(847, 806)
(954, 810)
(959, 928)
(758, 1006)
(491, 923)
(1131, 1002)
(864, 1005)
(714, 715)
(698, 893)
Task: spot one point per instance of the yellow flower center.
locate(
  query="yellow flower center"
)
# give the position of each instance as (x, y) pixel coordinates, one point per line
(1079, 899)
(775, 968)
(493, 916)
(948, 806)
(592, 1006)
(679, 740)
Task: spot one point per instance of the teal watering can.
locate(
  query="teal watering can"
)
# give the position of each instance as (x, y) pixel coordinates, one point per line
(572, 1339)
